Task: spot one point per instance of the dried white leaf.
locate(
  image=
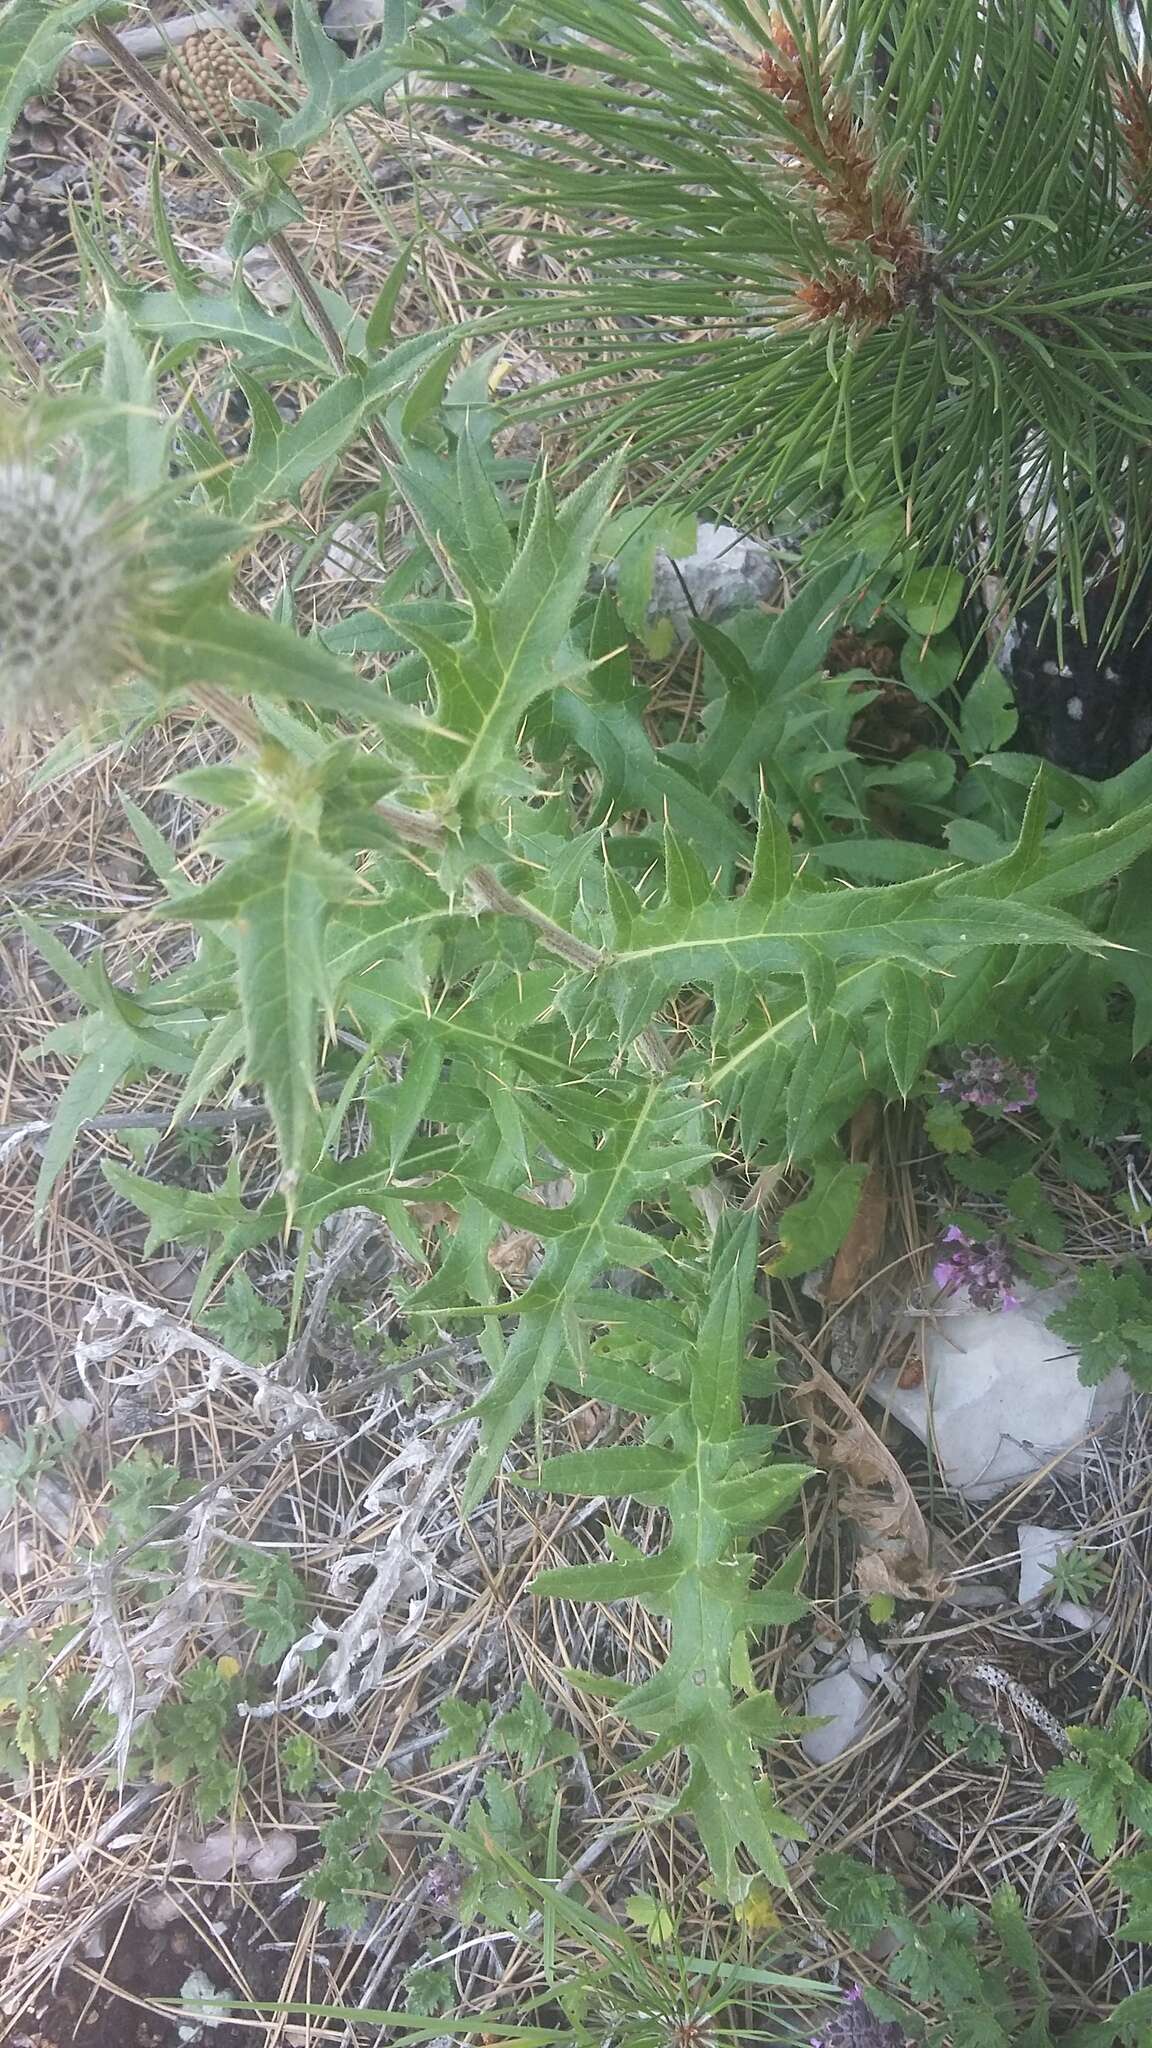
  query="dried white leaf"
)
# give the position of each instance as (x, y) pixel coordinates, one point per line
(138, 1666)
(404, 1573)
(117, 1317)
(115, 1682)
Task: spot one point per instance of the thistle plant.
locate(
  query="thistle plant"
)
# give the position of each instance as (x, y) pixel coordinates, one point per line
(839, 255)
(468, 919)
(430, 881)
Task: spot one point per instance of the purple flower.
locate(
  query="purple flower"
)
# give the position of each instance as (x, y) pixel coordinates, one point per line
(983, 1270)
(987, 1081)
(855, 2026)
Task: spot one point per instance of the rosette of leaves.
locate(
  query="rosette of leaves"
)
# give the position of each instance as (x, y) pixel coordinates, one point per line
(827, 257)
(422, 904)
(433, 883)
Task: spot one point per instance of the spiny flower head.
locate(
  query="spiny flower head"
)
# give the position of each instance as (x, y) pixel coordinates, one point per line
(65, 595)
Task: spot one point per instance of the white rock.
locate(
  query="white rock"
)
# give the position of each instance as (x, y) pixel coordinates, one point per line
(74, 1412)
(1001, 1398)
(844, 1696)
(218, 1854)
(351, 555)
(159, 1909)
(1039, 1549)
(726, 572)
(846, 1702)
(196, 1992)
(276, 1854)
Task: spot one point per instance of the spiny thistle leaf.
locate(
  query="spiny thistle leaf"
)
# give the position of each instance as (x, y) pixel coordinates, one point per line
(518, 645)
(717, 1491)
(277, 900)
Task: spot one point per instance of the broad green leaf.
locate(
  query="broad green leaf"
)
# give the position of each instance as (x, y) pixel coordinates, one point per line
(813, 1104)
(911, 921)
(930, 599)
(220, 1051)
(648, 1578)
(220, 1219)
(408, 1102)
(608, 726)
(925, 776)
(756, 1499)
(819, 977)
(131, 441)
(34, 38)
(641, 1153)
(180, 274)
(378, 333)
(768, 1722)
(728, 1805)
(491, 553)
(686, 880)
(518, 645)
(338, 84)
(218, 643)
(790, 653)
(422, 403)
(154, 847)
(811, 1229)
(929, 666)
(277, 463)
(771, 877)
(762, 1100)
(273, 342)
(613, 1381)
(879, 860)
(1128, 925)
(1074, 861)
(80, 978)
(989, 716)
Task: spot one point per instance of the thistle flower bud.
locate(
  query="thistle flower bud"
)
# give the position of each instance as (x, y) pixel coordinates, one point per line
(64, 596)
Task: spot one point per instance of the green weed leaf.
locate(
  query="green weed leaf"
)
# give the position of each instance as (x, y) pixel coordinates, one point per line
(34, 38)
(815, 1227)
